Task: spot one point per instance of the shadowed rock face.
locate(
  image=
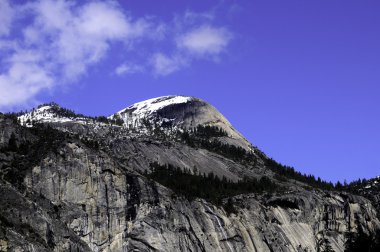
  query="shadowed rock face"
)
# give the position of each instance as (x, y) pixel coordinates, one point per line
(73, 196)
(371, 190)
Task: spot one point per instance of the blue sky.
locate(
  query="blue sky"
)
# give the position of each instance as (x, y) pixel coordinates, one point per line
(300, 79)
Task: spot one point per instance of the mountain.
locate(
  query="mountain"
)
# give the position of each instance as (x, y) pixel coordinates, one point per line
(51, 113)
(179, 112)
(368, 188)
(166, 174)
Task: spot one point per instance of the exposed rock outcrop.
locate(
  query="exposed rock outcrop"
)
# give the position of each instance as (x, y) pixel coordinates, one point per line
(81, 187)
(179, 112)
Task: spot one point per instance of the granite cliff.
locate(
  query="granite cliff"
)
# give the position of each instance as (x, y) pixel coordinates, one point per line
(75, 183)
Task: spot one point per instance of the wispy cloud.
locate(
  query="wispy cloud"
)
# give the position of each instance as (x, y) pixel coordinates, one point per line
(193, 38)
(164, 65)
(80, 35)
(61, 42)
(205, 40)
(129, 68)
(46, 44)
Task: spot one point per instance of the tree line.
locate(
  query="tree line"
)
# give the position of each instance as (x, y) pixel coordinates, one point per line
(204, 137)
(68, 113)
(206, 186)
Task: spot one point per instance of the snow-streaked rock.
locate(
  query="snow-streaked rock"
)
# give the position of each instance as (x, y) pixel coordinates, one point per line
(76, 197)
(46, 114)
(146, 108)
(179, 112)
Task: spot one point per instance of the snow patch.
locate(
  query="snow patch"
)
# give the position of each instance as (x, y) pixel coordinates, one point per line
(152, 105)
(45, 114)
(134, 115)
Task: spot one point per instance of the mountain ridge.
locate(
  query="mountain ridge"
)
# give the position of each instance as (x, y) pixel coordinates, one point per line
(59, 114)
(105, 187)
(156, 110)
(54, 113)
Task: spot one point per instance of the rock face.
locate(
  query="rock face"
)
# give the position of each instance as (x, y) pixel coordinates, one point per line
(371, 190)
(179, 112)
(65, 193)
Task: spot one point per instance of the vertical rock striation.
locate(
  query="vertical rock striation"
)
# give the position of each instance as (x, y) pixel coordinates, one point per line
(80, 185)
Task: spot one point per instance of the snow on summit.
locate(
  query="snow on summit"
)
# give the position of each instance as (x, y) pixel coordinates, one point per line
(167, 114)
(49, 113)
(134, 115)
(152, 105)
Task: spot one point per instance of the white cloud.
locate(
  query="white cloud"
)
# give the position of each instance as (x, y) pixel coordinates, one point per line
(25, 77)
(128, 69)
(104, 21)
(164, 65)
(6, 14)
(82, 36)
(56, 41)
(22, 82)
(205, 40)
(59, 45)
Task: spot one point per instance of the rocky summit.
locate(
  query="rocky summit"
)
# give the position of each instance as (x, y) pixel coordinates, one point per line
(166, 174)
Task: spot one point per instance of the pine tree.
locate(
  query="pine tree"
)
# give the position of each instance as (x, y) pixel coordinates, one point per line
(229, 207)
(12, 144)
